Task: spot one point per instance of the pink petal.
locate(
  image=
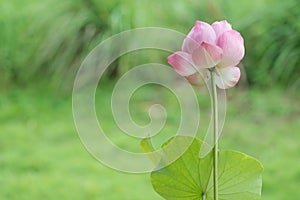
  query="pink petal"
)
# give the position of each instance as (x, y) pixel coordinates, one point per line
(199, 78)
(182, 63)
(207, 55)
(201, 32)
(221, 27)
(232, 44)
(227, 77)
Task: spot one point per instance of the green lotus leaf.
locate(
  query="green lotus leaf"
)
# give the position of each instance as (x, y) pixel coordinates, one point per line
(190, 178)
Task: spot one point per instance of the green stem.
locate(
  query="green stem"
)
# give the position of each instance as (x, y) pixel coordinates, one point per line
(215, 122)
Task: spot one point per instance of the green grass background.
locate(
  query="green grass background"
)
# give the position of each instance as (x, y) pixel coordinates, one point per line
(42, 156)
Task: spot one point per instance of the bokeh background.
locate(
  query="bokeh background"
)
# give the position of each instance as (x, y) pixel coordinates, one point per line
(42, 44)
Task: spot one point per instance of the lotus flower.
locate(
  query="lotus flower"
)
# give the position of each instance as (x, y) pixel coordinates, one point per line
(210, 47)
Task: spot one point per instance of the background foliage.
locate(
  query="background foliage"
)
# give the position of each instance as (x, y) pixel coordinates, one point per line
(47, 40)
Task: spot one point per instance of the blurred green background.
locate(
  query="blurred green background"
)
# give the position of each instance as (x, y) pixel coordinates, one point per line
(42, 44)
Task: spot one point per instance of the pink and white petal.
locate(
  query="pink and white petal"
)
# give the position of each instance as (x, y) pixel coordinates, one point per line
(232, 44)
(201, 32)
(199, 78)
(207, 55)
(227, 77)
(182, 63)
(221, 27)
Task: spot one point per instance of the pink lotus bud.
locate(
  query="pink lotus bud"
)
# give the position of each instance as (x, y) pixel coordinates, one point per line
(210, 46)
